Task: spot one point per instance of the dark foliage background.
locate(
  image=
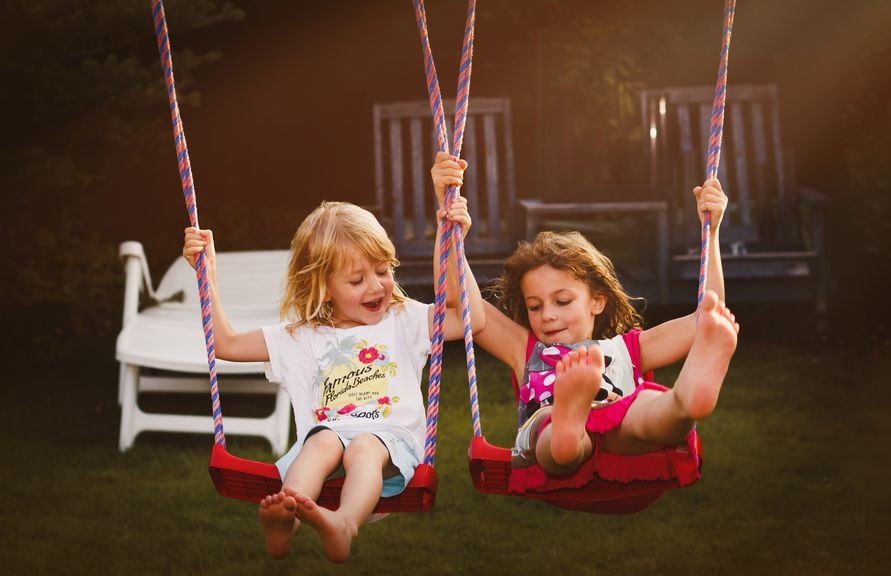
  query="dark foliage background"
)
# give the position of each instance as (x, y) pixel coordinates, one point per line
(276, 99)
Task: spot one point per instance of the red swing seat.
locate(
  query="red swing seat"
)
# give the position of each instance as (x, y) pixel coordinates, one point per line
(249, 480)
(491, 472)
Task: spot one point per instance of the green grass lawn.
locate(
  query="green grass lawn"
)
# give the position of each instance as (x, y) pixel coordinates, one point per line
(793, 483)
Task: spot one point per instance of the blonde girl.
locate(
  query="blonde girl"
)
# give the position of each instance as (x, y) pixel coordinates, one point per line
(350, 352)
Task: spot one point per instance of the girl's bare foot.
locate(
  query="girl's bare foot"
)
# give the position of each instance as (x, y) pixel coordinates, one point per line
(702, 375)
(579, 375)
(277, 517)
(335, 530)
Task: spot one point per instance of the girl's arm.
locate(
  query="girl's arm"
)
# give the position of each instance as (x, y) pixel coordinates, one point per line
(228, 344)
(504, 339)
(670, 342)
(446, 172)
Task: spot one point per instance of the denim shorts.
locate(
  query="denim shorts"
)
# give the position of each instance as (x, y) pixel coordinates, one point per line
(401, 455)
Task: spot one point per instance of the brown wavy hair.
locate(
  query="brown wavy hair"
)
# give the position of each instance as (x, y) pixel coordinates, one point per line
(572, 253)
(328, 238)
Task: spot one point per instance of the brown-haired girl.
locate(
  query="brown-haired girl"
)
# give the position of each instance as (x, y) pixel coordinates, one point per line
(569, 333)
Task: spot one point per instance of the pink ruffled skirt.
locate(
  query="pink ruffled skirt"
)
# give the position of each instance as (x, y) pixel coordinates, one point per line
(681, 463)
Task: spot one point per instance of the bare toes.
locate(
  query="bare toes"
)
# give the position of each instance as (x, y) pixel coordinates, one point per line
(562, 365)
(595, 355)
(573, 358)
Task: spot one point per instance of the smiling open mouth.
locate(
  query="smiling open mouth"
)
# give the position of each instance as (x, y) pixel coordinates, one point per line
(374, 305)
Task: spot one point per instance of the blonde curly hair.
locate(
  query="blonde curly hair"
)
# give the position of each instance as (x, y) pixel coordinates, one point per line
(572, 253)
(330, 237)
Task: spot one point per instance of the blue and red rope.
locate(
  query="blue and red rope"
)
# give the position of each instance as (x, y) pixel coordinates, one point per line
(188, 185)
(716, 131)
(451, 234)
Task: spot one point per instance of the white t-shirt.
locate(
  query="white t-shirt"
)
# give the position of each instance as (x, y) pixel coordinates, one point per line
(361, 379)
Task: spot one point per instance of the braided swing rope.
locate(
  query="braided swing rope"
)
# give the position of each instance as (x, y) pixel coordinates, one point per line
(188, 184)
(716, 131)
(451, 234)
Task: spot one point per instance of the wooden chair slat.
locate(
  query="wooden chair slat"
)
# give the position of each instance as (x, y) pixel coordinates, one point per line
(405, 202)
(767, 218)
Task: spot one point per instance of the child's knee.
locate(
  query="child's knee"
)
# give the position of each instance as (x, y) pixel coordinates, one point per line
(324, 439)
(365, 446)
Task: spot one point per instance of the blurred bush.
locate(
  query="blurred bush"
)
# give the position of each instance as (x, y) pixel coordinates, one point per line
(85, 72)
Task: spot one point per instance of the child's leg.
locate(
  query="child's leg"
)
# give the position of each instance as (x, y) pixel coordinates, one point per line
(365, 461)
(320, 456)
(664, 419)
(565, 444)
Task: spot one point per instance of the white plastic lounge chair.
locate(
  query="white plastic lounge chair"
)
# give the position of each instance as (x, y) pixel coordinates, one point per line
(161, 348)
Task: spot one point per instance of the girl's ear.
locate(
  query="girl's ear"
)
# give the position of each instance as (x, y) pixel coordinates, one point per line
(598, 303)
